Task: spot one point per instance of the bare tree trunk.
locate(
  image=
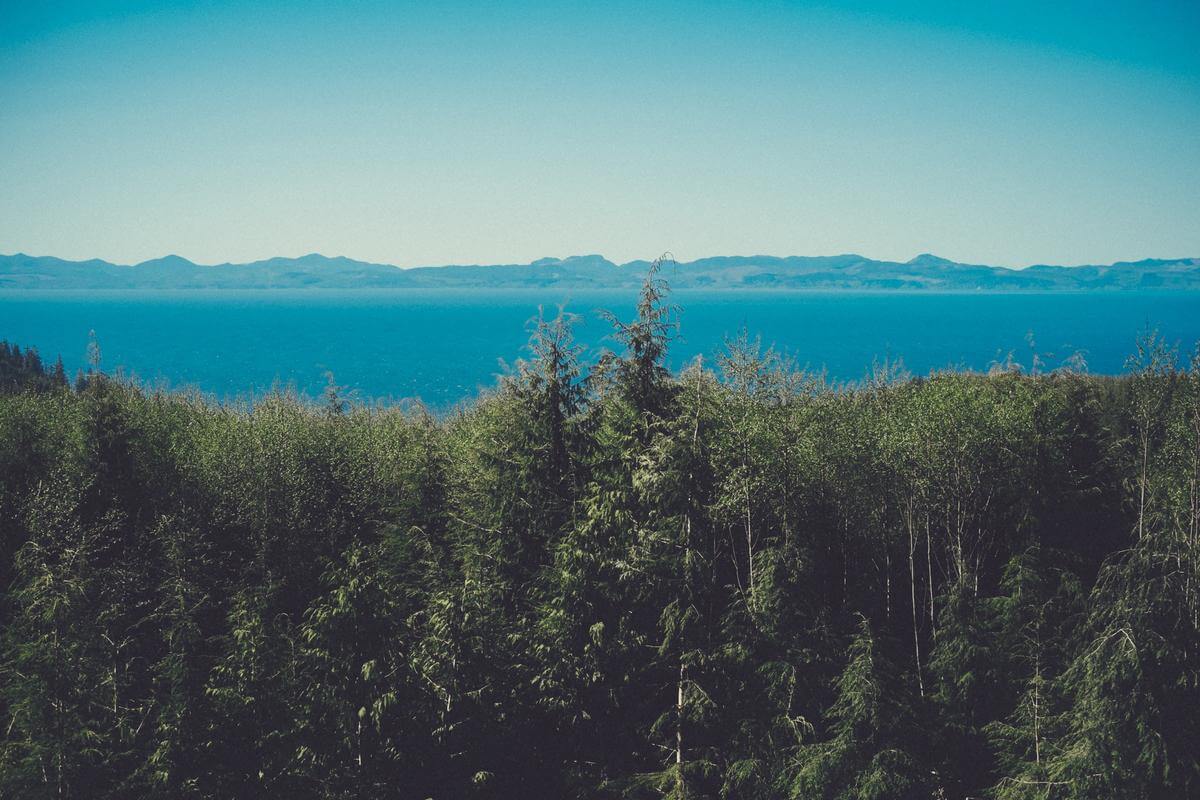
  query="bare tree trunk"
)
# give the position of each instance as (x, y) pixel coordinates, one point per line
(912, 583)
(887, 582)
(1194, 520)
(749, 535)
(746, 498)
(1037, 677)
(680, 781)
(1142, 485)
(681, 784)
(929, 576)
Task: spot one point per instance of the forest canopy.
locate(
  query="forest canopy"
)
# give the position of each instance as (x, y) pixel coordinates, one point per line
(736, 581)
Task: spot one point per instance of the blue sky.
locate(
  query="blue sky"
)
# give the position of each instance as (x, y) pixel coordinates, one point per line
(999, 133)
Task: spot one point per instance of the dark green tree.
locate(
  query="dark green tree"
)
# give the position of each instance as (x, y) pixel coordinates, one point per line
(872, 745)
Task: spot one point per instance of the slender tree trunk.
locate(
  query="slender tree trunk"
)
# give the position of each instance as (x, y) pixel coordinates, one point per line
(59, 706)
(887, 582)
(746, 499)
(680, 686)
(1142, 484)
(912, 583)
(1037, 678)
(929, 576)
(681, 783)
(1194, 497)
(749, 534)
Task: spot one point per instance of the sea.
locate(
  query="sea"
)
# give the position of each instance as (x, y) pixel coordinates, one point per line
(445, 346)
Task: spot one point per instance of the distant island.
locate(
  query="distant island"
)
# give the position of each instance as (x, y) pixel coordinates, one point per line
(925, 272)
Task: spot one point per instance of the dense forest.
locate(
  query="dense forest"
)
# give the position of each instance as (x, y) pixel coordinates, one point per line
(738, 581)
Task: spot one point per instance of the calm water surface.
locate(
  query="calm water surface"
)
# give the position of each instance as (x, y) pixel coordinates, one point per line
(444, 345)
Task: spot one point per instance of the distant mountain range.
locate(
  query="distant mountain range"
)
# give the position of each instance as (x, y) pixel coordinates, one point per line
(925, 272)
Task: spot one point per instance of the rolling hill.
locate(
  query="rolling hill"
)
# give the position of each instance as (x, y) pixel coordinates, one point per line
(925, 272)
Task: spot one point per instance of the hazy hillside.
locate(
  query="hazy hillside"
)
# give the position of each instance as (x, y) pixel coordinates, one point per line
(315, 271)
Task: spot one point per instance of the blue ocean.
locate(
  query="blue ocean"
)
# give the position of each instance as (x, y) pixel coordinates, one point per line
(444, 346)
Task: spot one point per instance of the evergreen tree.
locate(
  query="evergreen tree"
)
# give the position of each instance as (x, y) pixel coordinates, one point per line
(1034, 618)
(176, 767)
(352, 670)
(873, 743)
(54, 744)
(641, 375)
(254, 694)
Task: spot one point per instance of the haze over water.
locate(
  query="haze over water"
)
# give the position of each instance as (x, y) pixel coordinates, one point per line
(444, 345)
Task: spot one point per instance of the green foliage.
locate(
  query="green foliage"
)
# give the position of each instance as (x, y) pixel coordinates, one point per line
(873, 748)
(24, 371)
(729, 583)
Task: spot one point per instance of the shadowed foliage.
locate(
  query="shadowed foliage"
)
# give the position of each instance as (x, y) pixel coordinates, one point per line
(731, 583)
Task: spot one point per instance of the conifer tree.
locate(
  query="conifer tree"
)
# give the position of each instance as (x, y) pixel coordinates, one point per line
(1034, 618)
(254, 694)
(352, 673)
(872, 746)
(641, 374)
(601, 609)
(177, 764)
(60, 374)
(54, 746)
(1151, 385)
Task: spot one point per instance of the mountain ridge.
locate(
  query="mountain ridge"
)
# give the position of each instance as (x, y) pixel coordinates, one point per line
(849, 271)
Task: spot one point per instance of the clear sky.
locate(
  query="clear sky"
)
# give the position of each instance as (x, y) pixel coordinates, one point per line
(1004, 133)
